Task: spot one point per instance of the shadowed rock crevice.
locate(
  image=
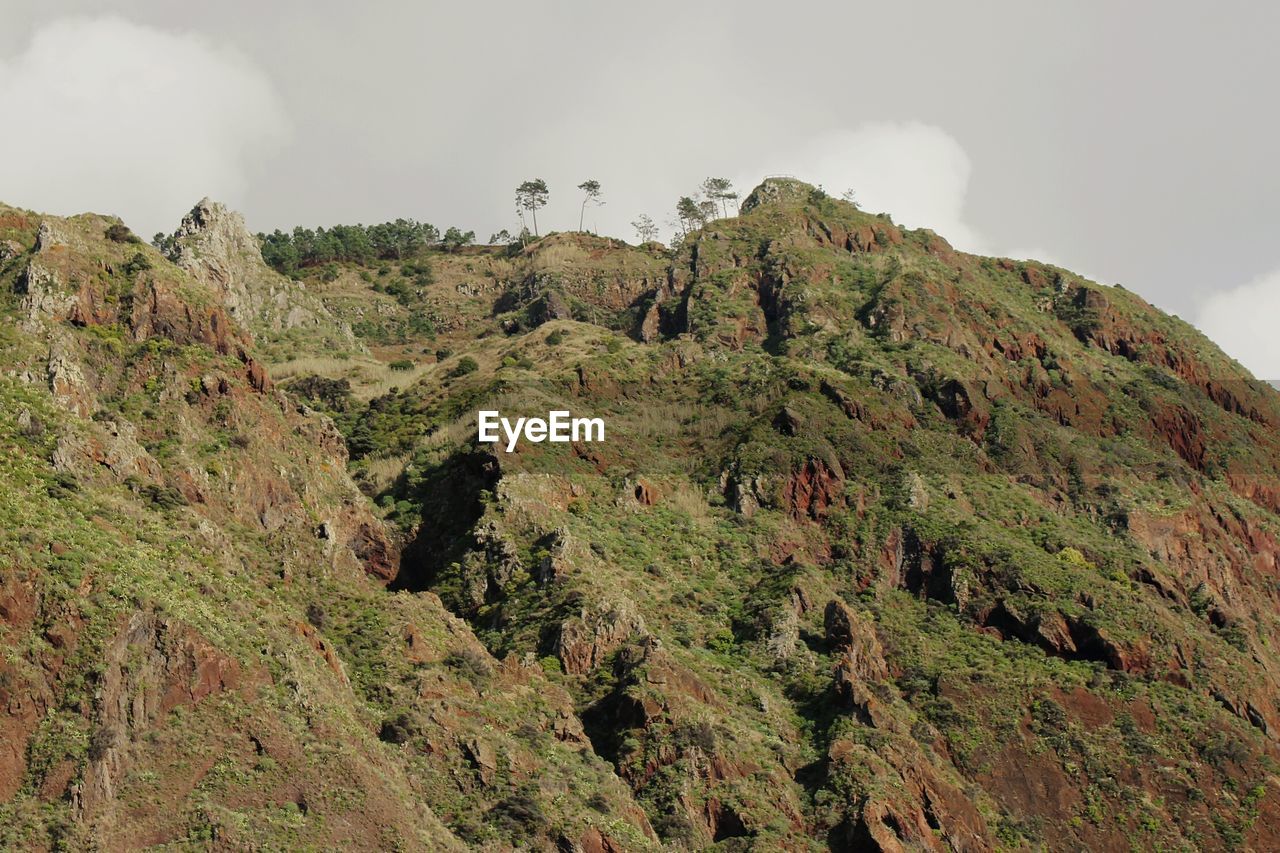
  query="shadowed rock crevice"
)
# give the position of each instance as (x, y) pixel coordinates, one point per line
(452, 495)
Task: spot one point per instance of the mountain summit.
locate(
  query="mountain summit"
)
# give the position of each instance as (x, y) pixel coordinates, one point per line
(888, 547)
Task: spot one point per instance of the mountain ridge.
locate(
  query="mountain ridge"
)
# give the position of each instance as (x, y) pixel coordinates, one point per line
(878, 527)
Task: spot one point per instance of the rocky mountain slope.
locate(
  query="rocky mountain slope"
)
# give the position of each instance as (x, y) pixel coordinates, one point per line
(888, 547)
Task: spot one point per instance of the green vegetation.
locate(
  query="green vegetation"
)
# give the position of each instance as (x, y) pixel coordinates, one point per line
(879, 529)
(290, 253)
(118, 232)
(465, 365)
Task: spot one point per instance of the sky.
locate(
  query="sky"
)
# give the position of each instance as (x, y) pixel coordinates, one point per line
(1131, 142)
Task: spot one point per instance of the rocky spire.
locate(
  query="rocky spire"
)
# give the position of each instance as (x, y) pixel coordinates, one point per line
(216, 247)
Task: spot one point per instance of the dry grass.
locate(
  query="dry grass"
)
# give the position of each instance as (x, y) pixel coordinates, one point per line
(691, 501)
(382, 471)
(368, 377)
(334, 368)
(559, 257)
(452, 434)
(680, 419)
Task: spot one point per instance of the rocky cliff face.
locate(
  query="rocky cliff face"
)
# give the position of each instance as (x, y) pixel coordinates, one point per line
(213, 245)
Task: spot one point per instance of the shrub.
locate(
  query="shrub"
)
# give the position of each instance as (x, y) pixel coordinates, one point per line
(518, 815)
(138, 263)
(550, 665)
(419, 271)
(400, 729)
(470, 664)
(674, 827)
(701, 735)
(555, 338)
(465, 365)
(316, 616)
(332, 394)
(401, 364)
(119, 233)
(163, 497)
(64, 485)
(400, 289)
(101, 743)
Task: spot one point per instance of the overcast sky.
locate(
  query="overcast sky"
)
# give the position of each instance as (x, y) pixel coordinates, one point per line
(1134, 142)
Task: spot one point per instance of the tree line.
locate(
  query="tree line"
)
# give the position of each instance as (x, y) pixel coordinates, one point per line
(292, 252)
(692, 211)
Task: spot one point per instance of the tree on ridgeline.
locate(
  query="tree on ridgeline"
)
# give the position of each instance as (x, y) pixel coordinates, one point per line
(720, 190)
(532, 195)
(399, 239)
(694, 212)
(454, 239)
(645, 228)
(590, 193)
(687, 214)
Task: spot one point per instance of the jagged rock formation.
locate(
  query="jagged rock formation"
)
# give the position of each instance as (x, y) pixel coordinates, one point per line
(213, 244)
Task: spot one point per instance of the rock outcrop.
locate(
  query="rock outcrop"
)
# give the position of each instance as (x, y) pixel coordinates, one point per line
(214, 245)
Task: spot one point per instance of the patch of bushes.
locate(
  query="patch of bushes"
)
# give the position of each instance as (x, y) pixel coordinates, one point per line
(316, 616)
(470, 664)
(138, 263)
(163, 497)
(332, 395)
(401, 728)
(118, 232)
(518, 815)
(465, 365)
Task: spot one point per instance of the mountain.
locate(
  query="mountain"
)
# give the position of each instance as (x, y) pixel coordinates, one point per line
(887, 547)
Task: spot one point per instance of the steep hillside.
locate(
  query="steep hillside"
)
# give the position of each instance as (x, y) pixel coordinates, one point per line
(886, 541)
(198, 647)
(887, 547)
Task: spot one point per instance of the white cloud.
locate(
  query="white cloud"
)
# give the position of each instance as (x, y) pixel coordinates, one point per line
(105, 115)
(1243, 322)
(916, 172)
